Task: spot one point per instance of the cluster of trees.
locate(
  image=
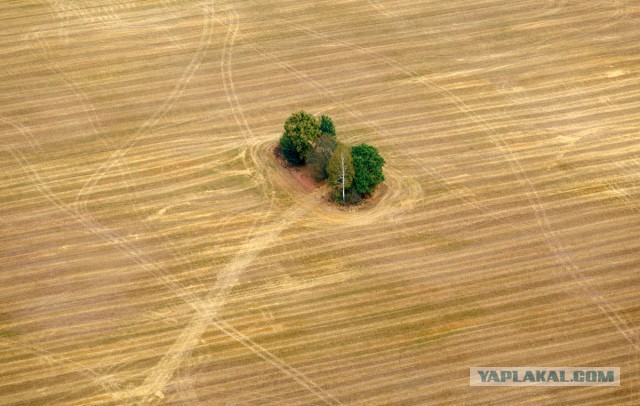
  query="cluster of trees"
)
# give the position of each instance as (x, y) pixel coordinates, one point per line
(353, 172)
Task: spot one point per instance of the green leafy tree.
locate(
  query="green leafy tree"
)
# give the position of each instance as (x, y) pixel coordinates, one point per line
(301, 130)
(289, 150)
(319, 156)
(367, 163)
(326, 125)
(340, 169)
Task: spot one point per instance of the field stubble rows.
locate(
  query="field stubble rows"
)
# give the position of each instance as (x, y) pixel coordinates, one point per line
(153, 250)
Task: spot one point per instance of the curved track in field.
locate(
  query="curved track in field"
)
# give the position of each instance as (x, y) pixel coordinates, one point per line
(154, 250)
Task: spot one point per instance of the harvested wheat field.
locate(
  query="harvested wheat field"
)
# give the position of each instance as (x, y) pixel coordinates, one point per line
(154, 251)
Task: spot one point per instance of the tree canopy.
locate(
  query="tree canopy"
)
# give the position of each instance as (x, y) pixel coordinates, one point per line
(289, 151)
(301, 130)
(326, 125)
(367, 163)
(318, 157)
(352, 172)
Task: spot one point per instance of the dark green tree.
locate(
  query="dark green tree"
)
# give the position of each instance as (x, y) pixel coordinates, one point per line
(326, 125)
(367, 164)
(301, 130)
(318, 157)
(289, 151)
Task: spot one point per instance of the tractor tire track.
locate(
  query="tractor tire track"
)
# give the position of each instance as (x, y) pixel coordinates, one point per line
(150, 123)
(98, 229)
(549, 235)
(66, 363)
(415, 195)
(109, 387)
(95, 227)
(269, 357)
(162, 373)
(43, 48)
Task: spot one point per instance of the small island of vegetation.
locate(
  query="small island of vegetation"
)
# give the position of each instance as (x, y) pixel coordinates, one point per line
(353, 172)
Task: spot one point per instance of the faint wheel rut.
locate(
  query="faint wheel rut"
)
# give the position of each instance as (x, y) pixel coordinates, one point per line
(549, 235)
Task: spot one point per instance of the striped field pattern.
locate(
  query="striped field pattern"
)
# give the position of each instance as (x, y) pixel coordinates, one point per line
(153, 250)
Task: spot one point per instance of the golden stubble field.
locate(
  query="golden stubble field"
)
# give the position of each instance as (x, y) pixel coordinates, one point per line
(153, 251)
